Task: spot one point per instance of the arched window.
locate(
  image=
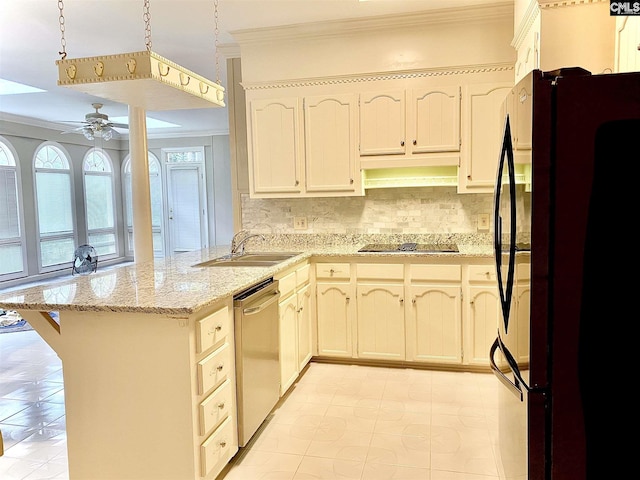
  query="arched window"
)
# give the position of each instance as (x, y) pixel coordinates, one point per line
(12, 241)
(54, 207)
(99, 199)
(155, 185)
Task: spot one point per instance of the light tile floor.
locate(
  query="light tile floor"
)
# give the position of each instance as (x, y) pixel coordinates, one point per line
(338, 422)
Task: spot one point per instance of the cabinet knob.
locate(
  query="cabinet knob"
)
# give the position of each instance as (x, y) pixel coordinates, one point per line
(415, 142)
(217, 328)
(220, 367)
(348, 299)
(221, 405)
(331, 272)
(402, 143)
(223, 443)
(401, 301)
(297, 183)
(351, 181)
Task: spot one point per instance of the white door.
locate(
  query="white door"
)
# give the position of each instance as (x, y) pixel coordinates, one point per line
(187, 208)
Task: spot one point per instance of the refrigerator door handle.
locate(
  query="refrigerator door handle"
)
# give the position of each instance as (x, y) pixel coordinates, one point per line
(515, 387)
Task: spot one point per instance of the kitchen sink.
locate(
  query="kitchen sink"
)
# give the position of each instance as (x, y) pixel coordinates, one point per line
(262, 259)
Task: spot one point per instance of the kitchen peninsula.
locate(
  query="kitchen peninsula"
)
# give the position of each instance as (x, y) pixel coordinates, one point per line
(148, 356)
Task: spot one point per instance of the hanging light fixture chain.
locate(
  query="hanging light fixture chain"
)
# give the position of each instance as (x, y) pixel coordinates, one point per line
(216, 33)
(63, 42)
(146, 16)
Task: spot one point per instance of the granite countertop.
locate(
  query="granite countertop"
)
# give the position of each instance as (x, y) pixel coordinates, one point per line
(173, 286)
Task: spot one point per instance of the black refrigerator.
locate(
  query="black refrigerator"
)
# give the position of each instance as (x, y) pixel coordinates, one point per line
(565, 404)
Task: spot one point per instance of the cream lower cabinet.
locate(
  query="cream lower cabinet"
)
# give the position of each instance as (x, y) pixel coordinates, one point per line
(522, 313)
(147, 396)
(380, 304)
(335, 310)
(295, 324)
(305, 333)
(483, 313)
(433, 314)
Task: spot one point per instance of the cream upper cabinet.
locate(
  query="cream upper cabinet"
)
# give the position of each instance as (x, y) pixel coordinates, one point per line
(410, 127)
(482, 139)
(335, 310)
(381, 325)
(382, 123)
(433, 314)
(276, 147)
(330, 124)
(627, 57)
(304, 146)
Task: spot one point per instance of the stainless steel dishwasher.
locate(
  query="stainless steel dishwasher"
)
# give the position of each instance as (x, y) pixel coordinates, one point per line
(257, 355)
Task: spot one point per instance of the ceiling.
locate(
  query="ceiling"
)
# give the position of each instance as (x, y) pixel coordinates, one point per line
(182, 31)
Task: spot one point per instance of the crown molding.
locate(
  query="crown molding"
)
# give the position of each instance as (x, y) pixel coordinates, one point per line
(544, 4)
(375, 77)
(477, 14)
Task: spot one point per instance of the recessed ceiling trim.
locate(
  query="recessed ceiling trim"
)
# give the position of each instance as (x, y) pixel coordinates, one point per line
(141, 79)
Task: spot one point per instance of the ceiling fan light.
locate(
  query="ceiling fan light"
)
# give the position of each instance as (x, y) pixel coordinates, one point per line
(107, 134)
(88, 133)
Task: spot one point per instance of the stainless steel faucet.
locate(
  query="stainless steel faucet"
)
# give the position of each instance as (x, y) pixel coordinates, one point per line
(238, 244)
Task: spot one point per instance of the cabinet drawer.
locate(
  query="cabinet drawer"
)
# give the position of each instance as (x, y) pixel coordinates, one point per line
(214, 369)
(443, 273)
(333, 270)
(302, 275)
(287, 284)
(212, 329)
(482, 274)
(215, 408)
(380, 271)
(217, 449)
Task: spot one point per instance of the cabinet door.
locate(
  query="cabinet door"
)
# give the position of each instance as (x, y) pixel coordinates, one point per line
(330, 124)
(334, 314)
(381, 321)
(304, 327)
(382, 123)
(484, 318)
(276, 146)
(288, 342)
(434, 324)
(627, 44)
(434, 120)
(483, 126)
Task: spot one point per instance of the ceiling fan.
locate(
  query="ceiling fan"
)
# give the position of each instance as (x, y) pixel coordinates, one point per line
(97, 125)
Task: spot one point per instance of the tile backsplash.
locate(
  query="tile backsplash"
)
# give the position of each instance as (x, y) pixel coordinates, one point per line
(420, 210)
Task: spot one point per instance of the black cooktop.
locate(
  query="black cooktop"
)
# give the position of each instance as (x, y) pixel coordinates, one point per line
(410, 247)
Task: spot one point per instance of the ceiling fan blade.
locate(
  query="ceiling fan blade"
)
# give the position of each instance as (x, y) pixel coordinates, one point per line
(118, 125)
(74, 130)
